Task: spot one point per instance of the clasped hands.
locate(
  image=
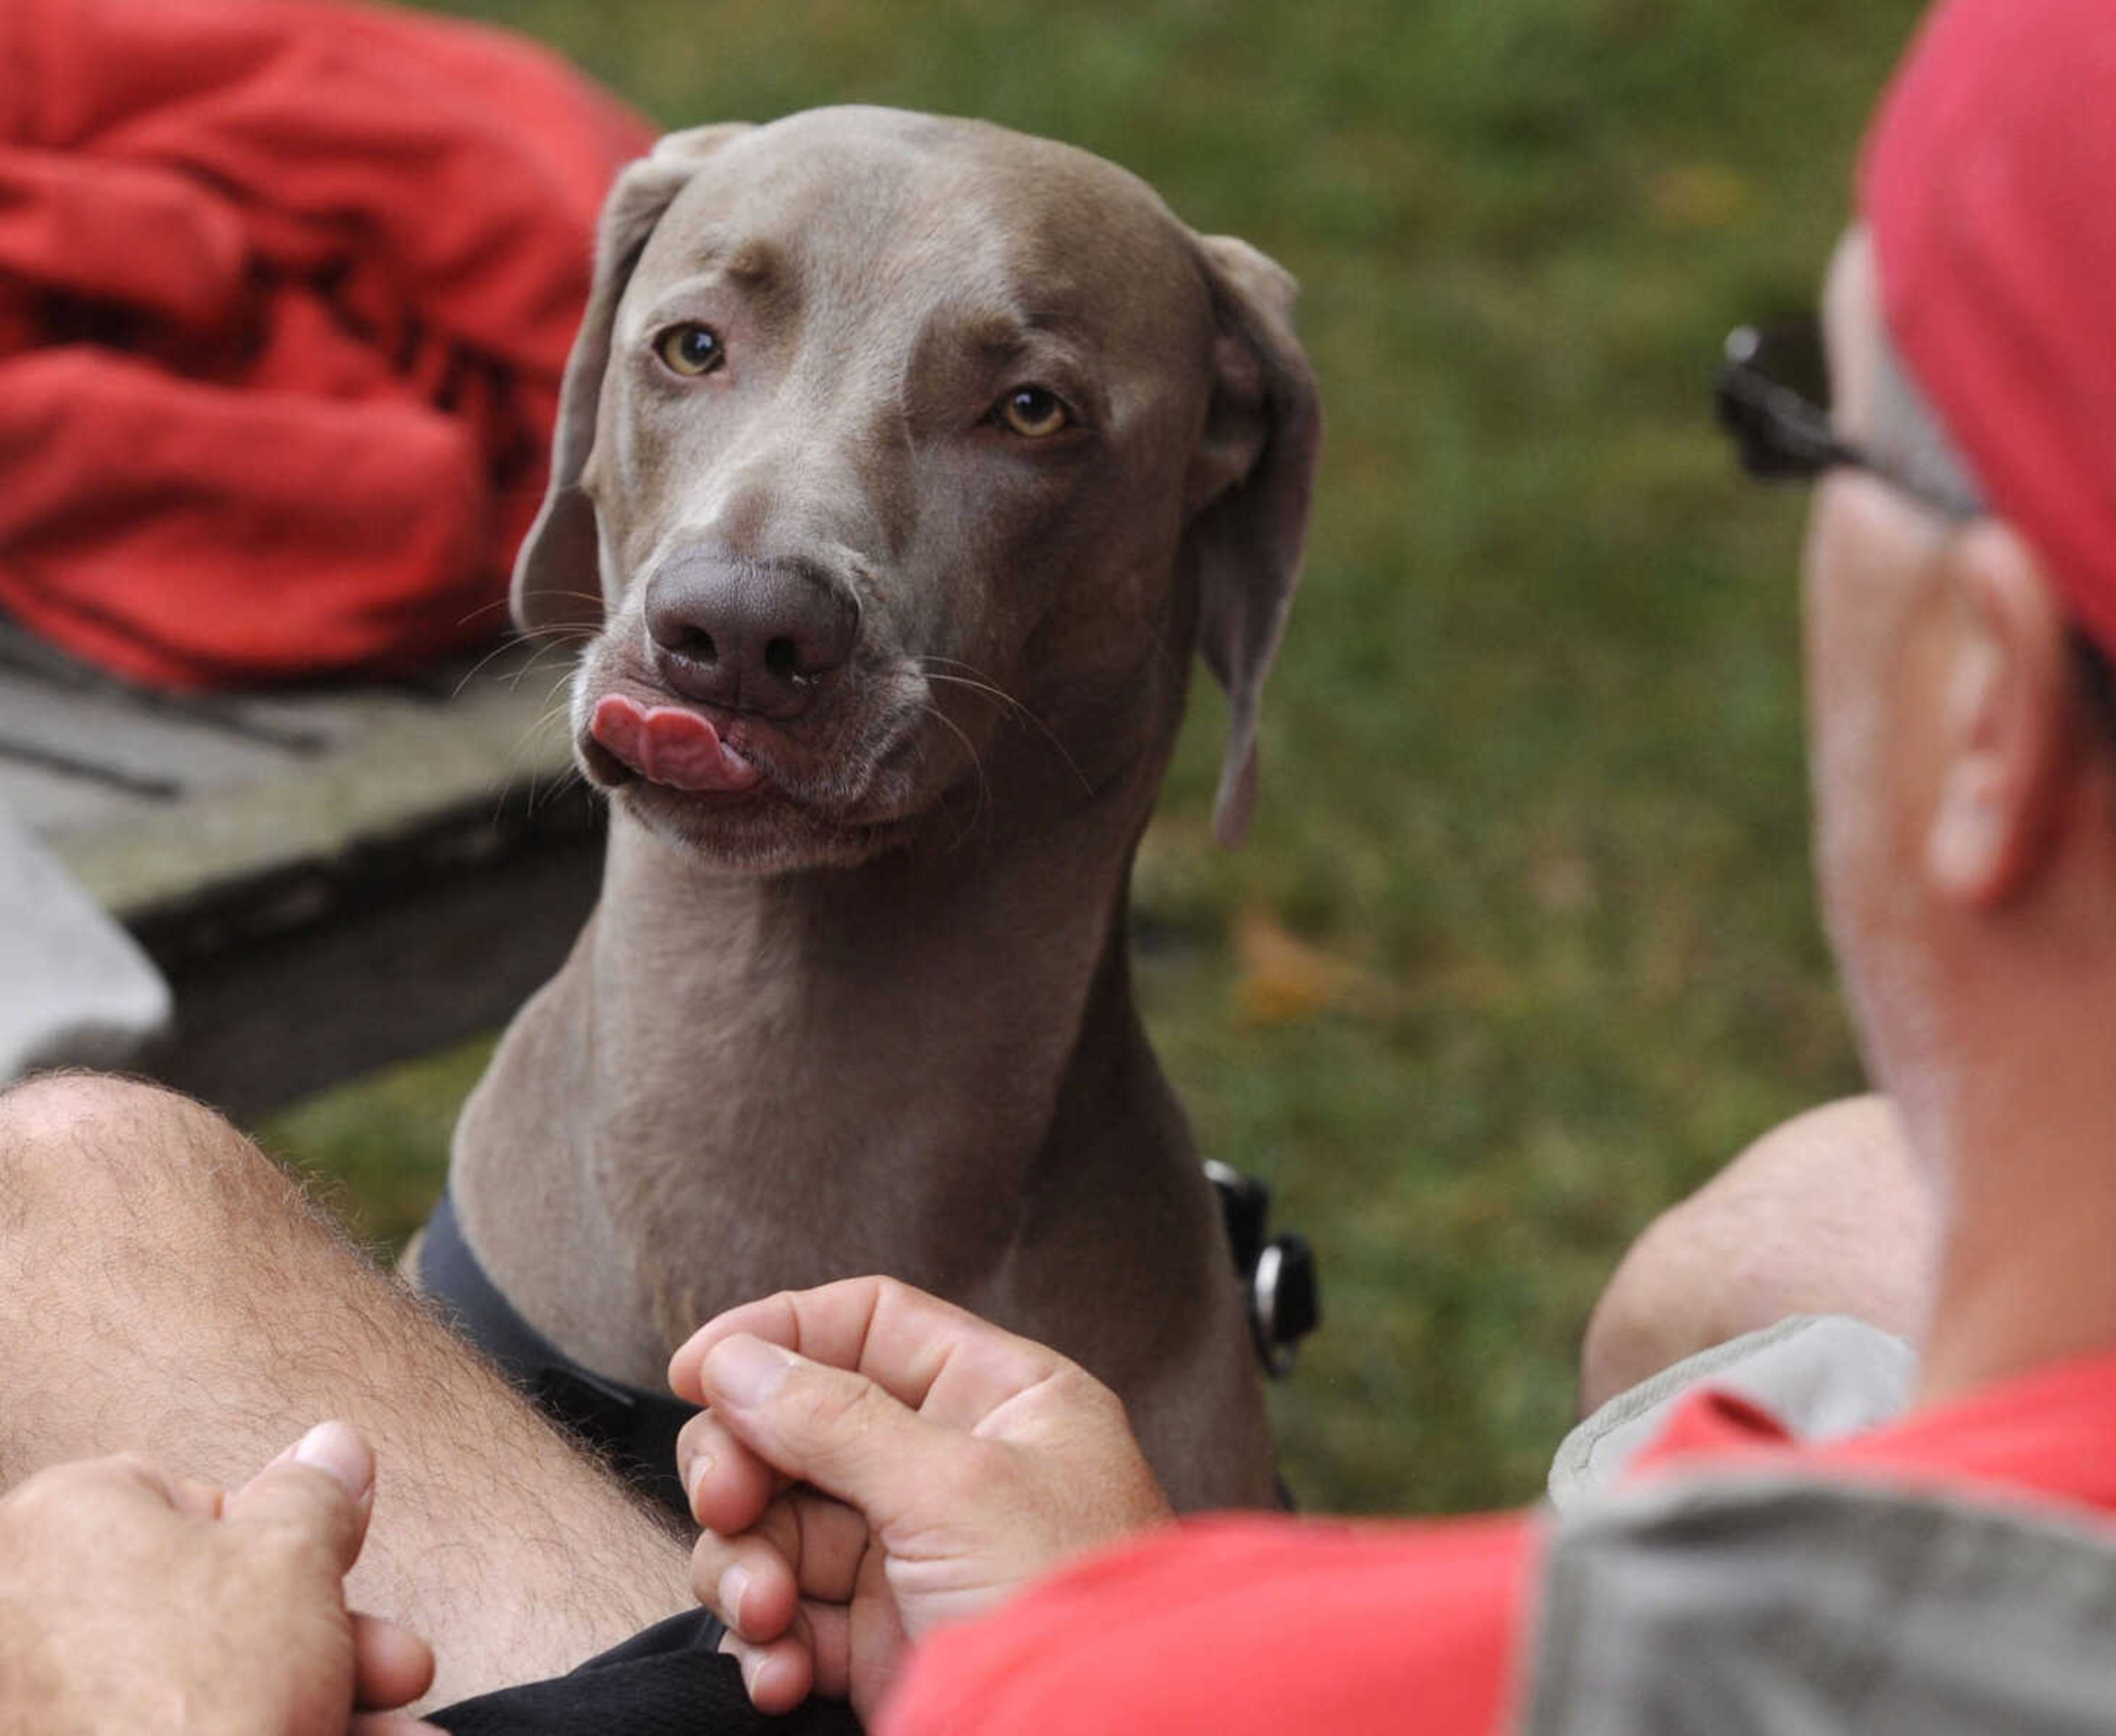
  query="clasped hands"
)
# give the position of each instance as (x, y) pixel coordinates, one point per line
(873, 1464)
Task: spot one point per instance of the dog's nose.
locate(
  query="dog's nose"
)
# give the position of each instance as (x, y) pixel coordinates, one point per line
(750, 635)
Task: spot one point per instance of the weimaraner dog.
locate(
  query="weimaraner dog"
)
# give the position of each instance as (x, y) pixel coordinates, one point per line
(901, 461)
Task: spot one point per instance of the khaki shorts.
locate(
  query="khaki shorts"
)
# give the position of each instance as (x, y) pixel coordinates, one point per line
(1821, 1375)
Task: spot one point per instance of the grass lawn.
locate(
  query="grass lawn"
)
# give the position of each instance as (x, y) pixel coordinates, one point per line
(1523, 945)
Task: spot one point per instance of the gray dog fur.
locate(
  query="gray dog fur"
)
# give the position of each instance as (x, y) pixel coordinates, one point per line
(875, 1014)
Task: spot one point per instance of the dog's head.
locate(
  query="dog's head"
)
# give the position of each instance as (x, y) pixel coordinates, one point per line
(896, 453)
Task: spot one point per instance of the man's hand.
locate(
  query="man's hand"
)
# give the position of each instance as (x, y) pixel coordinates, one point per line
(133, 1601)
(875, 1463)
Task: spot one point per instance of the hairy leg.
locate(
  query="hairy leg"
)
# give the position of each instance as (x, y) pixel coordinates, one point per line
(171, 1291)
(1828, 1214)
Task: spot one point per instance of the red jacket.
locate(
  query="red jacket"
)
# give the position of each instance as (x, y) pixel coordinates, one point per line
(286, 287)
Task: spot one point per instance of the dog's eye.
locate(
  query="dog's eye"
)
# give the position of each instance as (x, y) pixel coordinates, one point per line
(1034, 412)
(690, 350)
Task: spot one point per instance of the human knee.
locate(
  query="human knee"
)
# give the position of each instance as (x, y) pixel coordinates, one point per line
(68, 1136)
(48, 1107)
(1826, 1213)
(1647, 1315)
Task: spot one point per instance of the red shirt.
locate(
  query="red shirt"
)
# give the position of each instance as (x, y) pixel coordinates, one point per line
(1255, 1627)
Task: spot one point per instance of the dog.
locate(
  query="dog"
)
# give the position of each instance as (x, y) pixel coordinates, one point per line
(901, 464)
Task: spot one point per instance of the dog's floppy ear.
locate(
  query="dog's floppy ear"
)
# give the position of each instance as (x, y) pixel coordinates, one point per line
(557, 579)
(1249, 488)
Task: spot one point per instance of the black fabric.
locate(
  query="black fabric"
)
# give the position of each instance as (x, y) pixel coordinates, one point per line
(669, 1681)
(634, 1428)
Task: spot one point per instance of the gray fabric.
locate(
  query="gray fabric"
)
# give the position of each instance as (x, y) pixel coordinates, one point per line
(1906, 440)
(73, 986)
(1821, 1375)
(1746, 1606)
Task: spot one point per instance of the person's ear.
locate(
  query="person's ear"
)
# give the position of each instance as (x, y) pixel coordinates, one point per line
(2007, 746)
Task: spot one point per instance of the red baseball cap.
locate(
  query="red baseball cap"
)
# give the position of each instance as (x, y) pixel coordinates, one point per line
(1988, 184)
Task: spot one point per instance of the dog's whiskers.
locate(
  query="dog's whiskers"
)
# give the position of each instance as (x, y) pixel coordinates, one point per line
(1170, 662)
(977, 681)
(518, 752)
(472, 673)
(540, 662)
(976, 764)
(547, 639)
(487, 607)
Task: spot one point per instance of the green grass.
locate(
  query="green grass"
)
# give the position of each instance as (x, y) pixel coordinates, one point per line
(1532, 758)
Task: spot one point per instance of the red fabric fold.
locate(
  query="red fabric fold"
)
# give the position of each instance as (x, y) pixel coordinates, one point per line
(286, 290)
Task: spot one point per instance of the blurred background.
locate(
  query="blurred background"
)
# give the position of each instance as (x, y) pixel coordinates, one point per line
(1522, 946)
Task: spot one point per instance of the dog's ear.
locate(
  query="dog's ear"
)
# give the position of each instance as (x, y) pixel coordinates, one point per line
(557, 577)
(1248, 490)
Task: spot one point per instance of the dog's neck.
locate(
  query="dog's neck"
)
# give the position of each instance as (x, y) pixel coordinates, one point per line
(883, 1067)
(889, 994)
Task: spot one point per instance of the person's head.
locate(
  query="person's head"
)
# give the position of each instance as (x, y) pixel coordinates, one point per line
(1961, 550)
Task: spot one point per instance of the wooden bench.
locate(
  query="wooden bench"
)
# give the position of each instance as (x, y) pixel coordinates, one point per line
(331, 880)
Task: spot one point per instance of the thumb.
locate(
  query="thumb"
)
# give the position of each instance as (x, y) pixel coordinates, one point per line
(834, 1429)
(323, 1486)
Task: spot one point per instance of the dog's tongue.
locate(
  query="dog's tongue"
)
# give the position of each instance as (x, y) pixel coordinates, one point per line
(670, 746)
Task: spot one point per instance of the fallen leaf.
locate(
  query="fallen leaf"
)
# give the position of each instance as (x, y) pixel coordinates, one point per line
(1284, 979)
(1700, 196)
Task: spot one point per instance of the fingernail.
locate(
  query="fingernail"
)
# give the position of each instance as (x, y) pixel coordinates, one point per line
(733, 1583)
(755, 1662)
(336, 1447)
(745, 1371)
(701, 1463)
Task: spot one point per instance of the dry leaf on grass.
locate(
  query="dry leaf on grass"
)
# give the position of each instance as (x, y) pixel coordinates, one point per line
(1284, 979)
